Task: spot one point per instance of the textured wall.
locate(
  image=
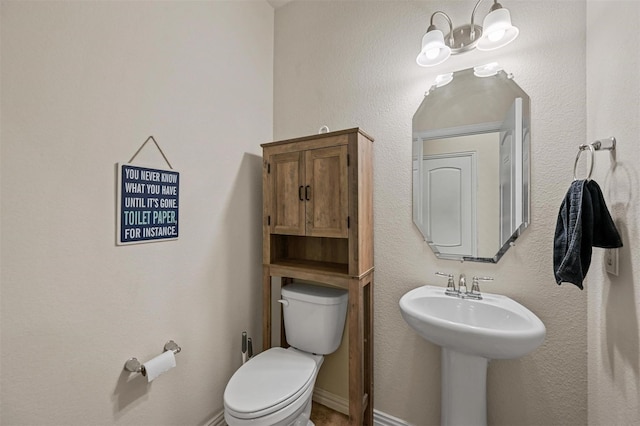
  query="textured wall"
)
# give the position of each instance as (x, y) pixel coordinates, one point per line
(83, 85)
(348, 64)
(613, 109)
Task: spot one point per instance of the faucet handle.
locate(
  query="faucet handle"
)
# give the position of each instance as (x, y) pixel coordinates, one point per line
(451, 285)
(475, 288)
(449, 278)
(442, 274)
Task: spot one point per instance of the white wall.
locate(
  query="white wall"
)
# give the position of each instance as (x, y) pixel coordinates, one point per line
(613, 109)
(347, 64)
(83, 85)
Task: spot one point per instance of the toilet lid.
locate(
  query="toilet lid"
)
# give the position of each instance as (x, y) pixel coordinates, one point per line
(270, 381)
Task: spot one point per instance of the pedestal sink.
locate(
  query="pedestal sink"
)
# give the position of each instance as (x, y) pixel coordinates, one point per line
(471, 332)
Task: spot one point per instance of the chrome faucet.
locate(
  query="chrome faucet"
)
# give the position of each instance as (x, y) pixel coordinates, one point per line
(462, 291)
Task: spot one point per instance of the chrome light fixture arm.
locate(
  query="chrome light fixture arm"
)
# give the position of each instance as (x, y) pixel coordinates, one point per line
(472, 35)
(432, 26)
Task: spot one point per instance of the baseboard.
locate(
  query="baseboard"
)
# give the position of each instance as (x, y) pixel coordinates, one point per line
(341, 405)
(334, 402)
(384, 419)
(217, 420)
(330, 400)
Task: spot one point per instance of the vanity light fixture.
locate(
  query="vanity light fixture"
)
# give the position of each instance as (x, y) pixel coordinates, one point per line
(496, 31)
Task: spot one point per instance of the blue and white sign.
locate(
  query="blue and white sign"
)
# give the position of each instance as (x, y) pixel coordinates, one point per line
(148, 201)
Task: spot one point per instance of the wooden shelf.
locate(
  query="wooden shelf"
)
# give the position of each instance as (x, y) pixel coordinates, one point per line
(334, 274)
(318, 227)
(313, 266)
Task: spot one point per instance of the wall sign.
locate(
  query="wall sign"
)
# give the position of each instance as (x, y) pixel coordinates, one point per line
(148, 202)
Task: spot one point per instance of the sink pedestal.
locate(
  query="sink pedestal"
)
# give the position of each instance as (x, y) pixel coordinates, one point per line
(464, 389)
(494, 327)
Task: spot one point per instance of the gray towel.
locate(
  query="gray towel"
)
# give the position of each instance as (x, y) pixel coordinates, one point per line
(583, 222)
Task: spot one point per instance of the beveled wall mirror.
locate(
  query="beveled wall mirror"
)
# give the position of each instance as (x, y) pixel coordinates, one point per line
(471, 164)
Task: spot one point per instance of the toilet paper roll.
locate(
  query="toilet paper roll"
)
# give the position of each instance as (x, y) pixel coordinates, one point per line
(160, 364)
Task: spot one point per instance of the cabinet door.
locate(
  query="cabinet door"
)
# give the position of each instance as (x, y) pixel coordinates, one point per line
(287, 193)
(326, 192)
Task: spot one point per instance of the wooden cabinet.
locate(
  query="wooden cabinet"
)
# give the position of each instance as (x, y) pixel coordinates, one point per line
(308, 192)
(318, 226)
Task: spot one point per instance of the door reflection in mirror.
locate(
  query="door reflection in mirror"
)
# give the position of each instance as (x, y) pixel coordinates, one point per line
(471, 166)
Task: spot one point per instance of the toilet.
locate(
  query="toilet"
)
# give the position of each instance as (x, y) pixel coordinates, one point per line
(275, 387)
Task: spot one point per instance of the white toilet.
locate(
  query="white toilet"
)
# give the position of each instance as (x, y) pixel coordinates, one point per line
(275, 387)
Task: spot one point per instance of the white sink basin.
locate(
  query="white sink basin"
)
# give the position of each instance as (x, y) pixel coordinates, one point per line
(495, 327)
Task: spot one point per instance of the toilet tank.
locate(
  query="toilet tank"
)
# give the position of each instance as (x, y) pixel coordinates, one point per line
(314, 317)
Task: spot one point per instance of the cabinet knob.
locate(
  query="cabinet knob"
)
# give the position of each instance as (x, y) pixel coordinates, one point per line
(307, 192)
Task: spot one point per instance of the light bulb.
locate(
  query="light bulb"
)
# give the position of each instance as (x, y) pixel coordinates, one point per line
(497, 30)
(496, 35)
(432, 53)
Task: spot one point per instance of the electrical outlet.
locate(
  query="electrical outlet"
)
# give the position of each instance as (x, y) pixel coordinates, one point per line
(611, 261)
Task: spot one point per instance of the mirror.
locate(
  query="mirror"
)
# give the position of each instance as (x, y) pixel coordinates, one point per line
(471, 138)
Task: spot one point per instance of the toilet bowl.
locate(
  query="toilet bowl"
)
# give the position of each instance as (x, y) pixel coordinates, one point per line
(275, 388)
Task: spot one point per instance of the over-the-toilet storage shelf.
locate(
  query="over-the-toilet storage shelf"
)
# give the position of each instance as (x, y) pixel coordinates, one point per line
(318, 226)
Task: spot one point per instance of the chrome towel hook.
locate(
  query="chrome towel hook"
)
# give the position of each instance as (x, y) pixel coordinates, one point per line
(608, 144)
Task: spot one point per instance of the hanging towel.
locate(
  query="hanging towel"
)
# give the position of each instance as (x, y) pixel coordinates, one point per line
(583, 222)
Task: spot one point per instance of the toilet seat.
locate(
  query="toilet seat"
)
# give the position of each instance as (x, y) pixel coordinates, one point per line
(269, 382)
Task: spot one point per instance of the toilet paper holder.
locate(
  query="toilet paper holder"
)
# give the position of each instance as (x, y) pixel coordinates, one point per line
(134, 366)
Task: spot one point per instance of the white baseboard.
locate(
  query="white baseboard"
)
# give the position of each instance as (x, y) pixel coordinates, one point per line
(217, 420)
(334, 402)
(384, 419)
(341, 405)
(330, 400)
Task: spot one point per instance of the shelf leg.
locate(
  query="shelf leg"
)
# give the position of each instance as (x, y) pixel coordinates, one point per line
(368, 350)
(266, 307)
(356, 348)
